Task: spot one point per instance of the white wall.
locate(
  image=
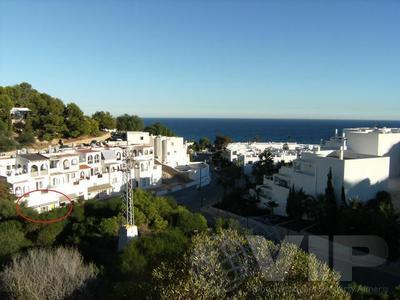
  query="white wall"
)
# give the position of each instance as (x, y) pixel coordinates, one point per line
(137, 138)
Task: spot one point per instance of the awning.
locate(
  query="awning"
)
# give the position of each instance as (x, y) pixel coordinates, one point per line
(101, 187)
(84, 167)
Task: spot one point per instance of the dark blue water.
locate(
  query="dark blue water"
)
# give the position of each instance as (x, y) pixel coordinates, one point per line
(301, 131)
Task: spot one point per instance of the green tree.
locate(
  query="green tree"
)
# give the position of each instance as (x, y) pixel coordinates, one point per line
(264, 166)
(189, 222)
(12, 238)
(159, 129)
(105, 120)
(91, 126)
(203, 273)
(75, 121)
(7, 205)
(330, 204)
(295, 203)
(110, 226)
(5, 106)
(129, 123)
(221, 141)
(204, 143)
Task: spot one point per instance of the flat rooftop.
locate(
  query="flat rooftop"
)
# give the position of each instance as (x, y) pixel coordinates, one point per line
(350, 155)
(380, 130)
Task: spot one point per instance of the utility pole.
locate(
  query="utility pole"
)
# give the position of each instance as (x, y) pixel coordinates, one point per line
(129, 230)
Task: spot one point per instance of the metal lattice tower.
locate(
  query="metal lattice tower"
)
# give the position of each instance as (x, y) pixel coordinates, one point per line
(128, 195)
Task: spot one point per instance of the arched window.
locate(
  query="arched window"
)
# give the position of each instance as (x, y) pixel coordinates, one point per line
(66, 164)
(134, 152)
(90, 159)
(146, 152)
(96, 158)
(82, 175)
(18, 191)
(55, 181)
(34, 170)
(118, 155)
(43, 169)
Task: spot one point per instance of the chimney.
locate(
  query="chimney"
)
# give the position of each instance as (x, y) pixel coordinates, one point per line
(341, 156)
(336, 132)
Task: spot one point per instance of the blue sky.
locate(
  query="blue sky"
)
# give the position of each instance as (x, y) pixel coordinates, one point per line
(209, 58)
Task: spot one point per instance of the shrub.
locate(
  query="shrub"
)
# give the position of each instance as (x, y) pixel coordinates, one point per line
(47, 274)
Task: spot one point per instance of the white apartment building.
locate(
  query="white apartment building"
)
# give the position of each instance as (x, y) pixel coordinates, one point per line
(247, 154)
(91, 172)
(171, 151)
(78, 173)
(376, 141)
(371, 158)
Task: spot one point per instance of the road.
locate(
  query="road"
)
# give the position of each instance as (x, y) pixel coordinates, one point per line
(195, 199)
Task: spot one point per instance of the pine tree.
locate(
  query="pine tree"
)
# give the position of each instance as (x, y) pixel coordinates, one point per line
(290, 205)
(330, 204)
(343, 198)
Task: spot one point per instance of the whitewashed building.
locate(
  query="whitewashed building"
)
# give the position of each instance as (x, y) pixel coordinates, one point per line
(86, 173)
(363, 165)
(247, 154)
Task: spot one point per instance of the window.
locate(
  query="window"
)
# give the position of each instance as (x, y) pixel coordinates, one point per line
(146, 152)
(54, 164)
(39, 185)
(90, 159)
(34, 170)
(97, 158)
(66, 164)
(43, 169)
(18, 191)
(82, 175)
(118, 155)
(55, 181)
(74, 162)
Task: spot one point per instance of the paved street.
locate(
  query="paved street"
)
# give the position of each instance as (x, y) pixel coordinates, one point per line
(195, 199)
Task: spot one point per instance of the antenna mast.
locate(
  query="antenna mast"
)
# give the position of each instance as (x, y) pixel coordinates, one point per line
(129, 230)
(127, 180)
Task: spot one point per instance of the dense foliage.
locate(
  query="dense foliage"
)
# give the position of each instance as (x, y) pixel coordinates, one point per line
(159, 129)
(376, 216)
(105, 120)
(48, 274)
(129, 123)
(228, 265)
(176, 256)
(49, 118)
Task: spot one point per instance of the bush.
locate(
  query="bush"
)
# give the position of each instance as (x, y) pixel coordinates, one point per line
(47, 274)
(223, 266)
(12, 238)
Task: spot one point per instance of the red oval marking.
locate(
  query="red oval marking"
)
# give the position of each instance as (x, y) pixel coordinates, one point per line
(18, 208)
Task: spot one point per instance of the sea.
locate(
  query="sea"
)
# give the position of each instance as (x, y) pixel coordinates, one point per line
(276, 130)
